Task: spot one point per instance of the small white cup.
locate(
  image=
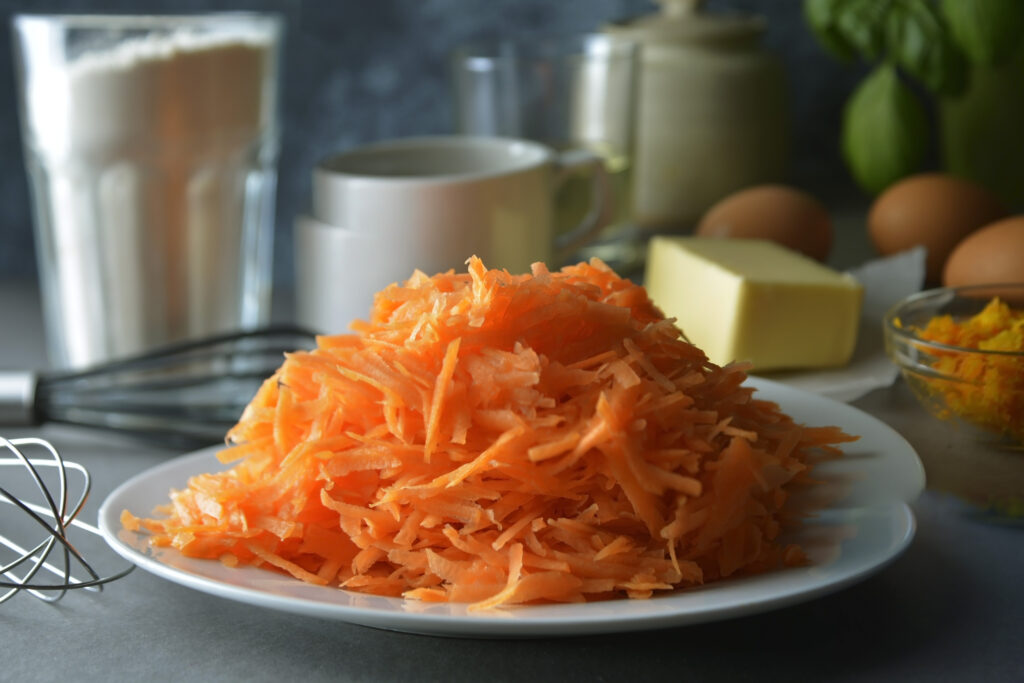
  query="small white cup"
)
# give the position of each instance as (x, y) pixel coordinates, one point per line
(382, 211)
(338, 272)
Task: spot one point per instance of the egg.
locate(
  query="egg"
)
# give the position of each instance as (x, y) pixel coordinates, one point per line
(777, 213)
(994, 254)
(933, 210)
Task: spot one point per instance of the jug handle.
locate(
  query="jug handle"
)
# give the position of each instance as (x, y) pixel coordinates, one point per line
(602, 203)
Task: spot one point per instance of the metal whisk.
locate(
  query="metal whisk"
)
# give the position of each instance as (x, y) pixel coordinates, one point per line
(52, 520)
(184, 394)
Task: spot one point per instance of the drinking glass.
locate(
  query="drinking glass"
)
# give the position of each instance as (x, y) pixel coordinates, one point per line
(150, 145)
(568, 93)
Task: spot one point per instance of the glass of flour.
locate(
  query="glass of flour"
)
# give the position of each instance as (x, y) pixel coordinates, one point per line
(151, 145)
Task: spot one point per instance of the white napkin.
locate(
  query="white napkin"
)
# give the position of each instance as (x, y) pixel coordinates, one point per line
(886, 281)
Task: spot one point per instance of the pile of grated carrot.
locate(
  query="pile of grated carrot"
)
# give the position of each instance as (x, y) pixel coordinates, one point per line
(499, 439)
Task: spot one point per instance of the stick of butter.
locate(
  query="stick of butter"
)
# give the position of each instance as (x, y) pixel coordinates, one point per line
(753, 300)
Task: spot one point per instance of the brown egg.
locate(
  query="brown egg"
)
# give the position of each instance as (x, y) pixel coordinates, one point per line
(994, 254)
(933, 210)
(778, 213)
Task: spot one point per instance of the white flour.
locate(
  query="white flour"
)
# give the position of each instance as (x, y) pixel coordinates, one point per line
(152, 166)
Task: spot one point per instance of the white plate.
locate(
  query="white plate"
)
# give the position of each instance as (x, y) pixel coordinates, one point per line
(865, 525)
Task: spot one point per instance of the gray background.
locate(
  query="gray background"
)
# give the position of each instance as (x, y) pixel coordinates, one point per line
(357, 71)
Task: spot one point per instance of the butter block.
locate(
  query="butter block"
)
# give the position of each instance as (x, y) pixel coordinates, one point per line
(753, 300)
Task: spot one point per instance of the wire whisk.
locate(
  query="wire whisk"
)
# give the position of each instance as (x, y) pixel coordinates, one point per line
(185, 394)
(55, 517)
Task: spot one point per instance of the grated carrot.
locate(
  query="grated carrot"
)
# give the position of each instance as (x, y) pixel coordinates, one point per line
(499, 439)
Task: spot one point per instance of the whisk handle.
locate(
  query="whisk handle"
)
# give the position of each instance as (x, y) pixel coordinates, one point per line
(18, 398)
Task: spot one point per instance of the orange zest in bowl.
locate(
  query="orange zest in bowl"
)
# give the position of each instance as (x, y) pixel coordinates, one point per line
(990, 390)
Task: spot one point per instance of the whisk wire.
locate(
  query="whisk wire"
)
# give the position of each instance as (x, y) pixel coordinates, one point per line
(56, 507)
(185, 394)
(270, 339)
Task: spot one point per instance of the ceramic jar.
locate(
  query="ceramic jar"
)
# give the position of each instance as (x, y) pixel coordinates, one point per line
(712, 115)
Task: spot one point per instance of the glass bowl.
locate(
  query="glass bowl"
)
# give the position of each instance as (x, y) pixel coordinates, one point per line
(977, 395)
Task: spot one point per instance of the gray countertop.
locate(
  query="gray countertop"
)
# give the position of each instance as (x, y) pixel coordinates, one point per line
(951, 608)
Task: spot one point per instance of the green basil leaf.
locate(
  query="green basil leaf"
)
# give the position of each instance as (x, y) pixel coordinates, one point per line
(988, 31)
(885, 130)
(821, 15)
(862, 25)
(917, 41)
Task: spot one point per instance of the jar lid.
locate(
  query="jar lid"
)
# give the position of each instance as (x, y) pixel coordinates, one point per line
(684, 21)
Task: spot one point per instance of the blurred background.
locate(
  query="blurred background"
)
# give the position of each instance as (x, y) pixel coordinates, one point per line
(356, 72)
